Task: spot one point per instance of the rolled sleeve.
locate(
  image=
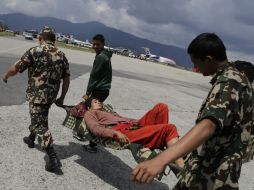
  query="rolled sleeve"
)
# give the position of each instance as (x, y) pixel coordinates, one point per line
(222, 104)
(25, 61)
(94, 126)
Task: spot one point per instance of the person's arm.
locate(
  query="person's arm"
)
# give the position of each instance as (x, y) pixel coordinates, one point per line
(10, 72)
(66, 81)
(65, 88)
(148, 170)
(221, 106)
(95, 74)
(20, 66)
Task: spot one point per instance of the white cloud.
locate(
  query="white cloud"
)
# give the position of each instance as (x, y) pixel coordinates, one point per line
(233, 56)
(173, 22)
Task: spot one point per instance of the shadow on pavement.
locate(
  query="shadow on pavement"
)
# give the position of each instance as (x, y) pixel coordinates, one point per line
(106, 166)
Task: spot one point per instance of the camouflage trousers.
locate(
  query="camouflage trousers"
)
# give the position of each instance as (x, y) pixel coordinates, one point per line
(217, 175)
(39, 123)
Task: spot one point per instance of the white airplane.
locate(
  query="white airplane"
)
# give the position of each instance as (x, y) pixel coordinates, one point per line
(82, 44)
(150, 56)
(71, 40)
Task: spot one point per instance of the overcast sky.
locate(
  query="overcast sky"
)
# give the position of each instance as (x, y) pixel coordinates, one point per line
(174, 22)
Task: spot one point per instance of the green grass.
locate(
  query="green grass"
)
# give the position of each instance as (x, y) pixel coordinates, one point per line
(69, 46)
(7, 34)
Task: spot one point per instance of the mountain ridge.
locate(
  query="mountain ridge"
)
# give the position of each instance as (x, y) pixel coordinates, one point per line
(82, 31)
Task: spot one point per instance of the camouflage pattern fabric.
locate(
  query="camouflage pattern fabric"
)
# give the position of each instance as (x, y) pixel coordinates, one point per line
(141, 153)
(46, 67)
(217, 163)
(39, 123)
(47, 29)
(249, 154)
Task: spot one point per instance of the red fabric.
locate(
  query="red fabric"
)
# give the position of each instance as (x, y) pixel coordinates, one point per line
(155, 131)
(157, 115)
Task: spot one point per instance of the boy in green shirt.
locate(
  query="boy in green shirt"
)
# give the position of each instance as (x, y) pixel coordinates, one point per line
(100, 77)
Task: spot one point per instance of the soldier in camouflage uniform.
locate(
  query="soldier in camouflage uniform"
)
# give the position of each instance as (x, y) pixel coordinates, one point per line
(47, 66)
(223, 136)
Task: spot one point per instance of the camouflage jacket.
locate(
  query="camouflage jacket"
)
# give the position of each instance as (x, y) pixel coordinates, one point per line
(230, 105)
(46, 67)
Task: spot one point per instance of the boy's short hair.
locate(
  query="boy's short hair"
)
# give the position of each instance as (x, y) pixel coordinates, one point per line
(100, 38)
(48, 34)
(207, 44)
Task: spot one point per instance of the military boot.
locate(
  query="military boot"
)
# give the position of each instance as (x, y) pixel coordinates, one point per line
(29, 140)
(54, 164)
(91, 147)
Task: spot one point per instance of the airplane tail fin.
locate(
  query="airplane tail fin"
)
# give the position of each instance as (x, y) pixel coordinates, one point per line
(147, 51)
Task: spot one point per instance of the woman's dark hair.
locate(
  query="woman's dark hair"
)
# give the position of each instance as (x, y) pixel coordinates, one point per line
(207, 44)
(88, 103)
(100, 38)
(245, 67)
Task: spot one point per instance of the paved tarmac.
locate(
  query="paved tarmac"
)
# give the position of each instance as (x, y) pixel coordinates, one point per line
(137, 86)
(18, 84)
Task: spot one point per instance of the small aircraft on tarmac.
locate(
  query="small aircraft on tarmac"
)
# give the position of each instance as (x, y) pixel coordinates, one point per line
(161, 59)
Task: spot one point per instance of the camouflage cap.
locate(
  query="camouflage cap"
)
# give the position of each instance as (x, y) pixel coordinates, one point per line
(47, 29)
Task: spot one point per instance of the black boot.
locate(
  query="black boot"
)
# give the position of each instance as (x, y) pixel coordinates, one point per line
(78, 136)
(54, 164)
(91, 147)
(29, 140)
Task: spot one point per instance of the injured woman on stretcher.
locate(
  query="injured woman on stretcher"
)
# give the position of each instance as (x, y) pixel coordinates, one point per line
(152, 130)
(145, 138)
